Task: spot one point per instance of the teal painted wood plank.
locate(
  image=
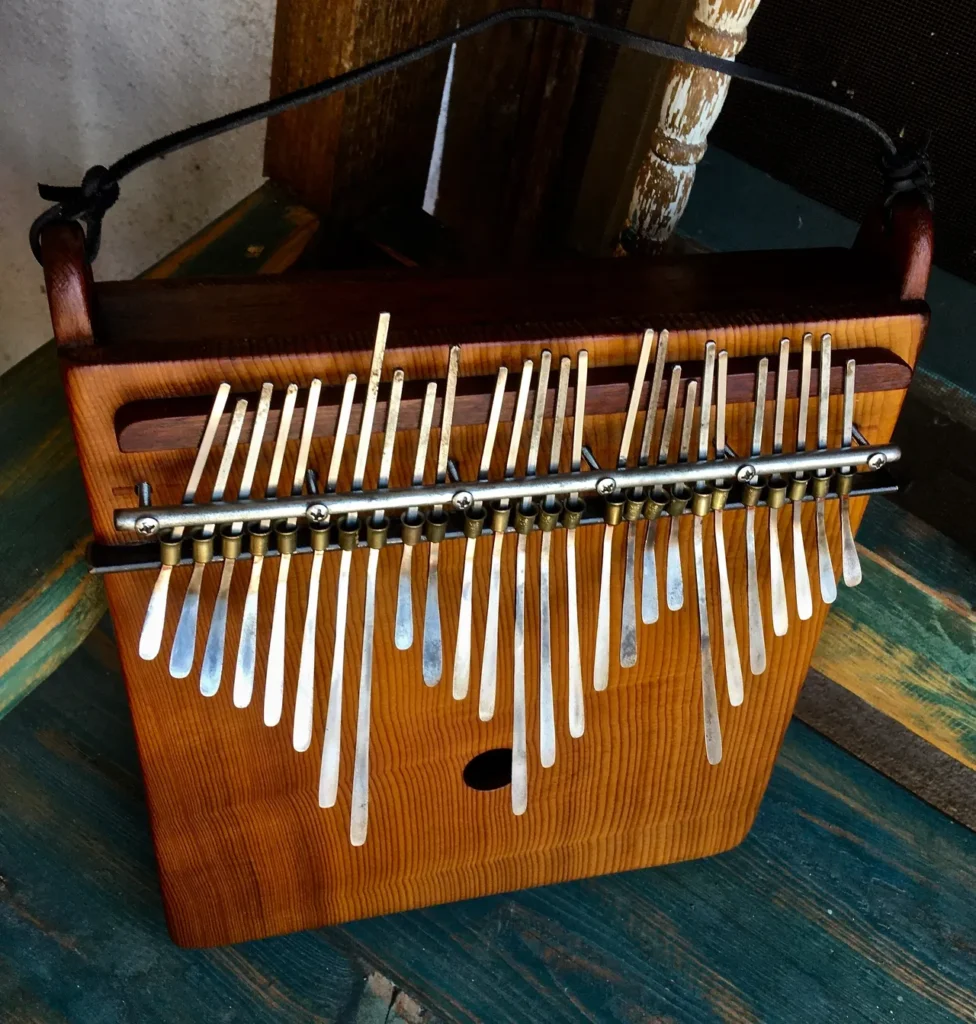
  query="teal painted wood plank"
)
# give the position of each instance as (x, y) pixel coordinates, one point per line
(850, 900)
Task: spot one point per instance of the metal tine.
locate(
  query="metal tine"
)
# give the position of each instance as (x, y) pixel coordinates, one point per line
(649, 601)
(433, 665)
(520, 779)
(185, 640)
(213, 652)
(730, 641)
(403, 630)
(247, 645)
(476, 516)
(547, 712)
(151, 637)
(850, 560)
(777, 582)
(674, 589)
(713, 728)
(359, 816)
(329, 769)
(601, 660)
(305, 694)
(801, 576)
(757, 640)
(828, 585)
(577, 719)
(489, 659)
(274, 682)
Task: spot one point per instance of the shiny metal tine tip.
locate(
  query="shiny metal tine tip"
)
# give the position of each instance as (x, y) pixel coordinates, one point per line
(674, 575)
(757, 639)
(828, 585)
(713, 730)
(577, 720)
(777, 581)
(342, 430)
(633, 406)
(851, 564)
(653, 398)
(801, 575)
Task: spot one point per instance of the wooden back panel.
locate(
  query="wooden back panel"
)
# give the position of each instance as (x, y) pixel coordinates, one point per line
(244, 850)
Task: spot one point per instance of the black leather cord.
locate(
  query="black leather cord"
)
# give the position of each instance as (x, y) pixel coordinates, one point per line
(904, 168)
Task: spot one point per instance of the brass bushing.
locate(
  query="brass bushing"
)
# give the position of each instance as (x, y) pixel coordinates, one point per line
(820, 485)
(170, 550)
(613, 510)
(525, 517)
(797, 487)
(436, 529)
(655, 504)
(412, 528)
(844, 482)
(776, 491)
(348, 533)
(286, 537)
(751, 493)
(678, 502)
(633, 508)
(202, 545)
(572, 513)
(549, 515)
(500, 516)
(230, 541)
(318, 536)
(376, 533)
(701, 501)
(258, 537)
(720, 494)
(474, 521)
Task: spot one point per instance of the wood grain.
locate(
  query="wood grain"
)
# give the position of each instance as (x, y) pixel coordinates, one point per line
(68, 283)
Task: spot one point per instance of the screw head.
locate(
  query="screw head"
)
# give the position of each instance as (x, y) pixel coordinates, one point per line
(463, 500)
(877, 460)
(606, 486)
(317, 512)
(147, 525)
(747, 474)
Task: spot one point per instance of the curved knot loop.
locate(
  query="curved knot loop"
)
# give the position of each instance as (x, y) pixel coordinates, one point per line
(86, 202)
(909, 169)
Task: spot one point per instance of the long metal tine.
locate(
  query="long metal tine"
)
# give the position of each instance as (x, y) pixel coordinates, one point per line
(650, 609)
(777, 582)
(489, 660)
(476, 515)
(184, 643)
(329, 769)
(403, 630)
(213, 652)
(247, 646)
(828, 585)
(433, 665)
(577, 719)
(151, 637)
(305, 694)
(674, 590)
(359, 817)
(274, 682)
(730, 641)
(757, 640)
(850, 560)
(601, 659)
(801, 575)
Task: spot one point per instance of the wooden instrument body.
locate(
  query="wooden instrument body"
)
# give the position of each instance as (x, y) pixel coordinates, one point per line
(244, 850)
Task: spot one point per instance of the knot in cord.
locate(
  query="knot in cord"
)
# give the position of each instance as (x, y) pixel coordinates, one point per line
(87, 202)
(909, 169)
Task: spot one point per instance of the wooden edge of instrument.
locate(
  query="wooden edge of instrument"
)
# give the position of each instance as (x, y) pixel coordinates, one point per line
(901, 238)
(68, 282)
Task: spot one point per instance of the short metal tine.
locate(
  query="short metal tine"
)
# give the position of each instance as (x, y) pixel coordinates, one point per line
(650, 609)
(850, 560)
(801, 575)
(432, 651)
(674, 583)
(305, 693)
(247, 645)
(577, 719)
(151, 637)
(476, 514)
(213, 652)
(274, 682)
(403, 630)
(757, 639)
(828, 585)
(730, 640)
(777, 581)
(360, 779)
(331, 743)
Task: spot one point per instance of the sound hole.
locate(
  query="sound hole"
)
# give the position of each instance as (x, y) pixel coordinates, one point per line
(490, 770)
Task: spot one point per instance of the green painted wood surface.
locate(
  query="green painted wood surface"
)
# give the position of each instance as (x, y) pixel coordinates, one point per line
(48, 602)
(850, 900)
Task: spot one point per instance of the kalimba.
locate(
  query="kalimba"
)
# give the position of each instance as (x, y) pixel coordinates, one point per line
(432, 585)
